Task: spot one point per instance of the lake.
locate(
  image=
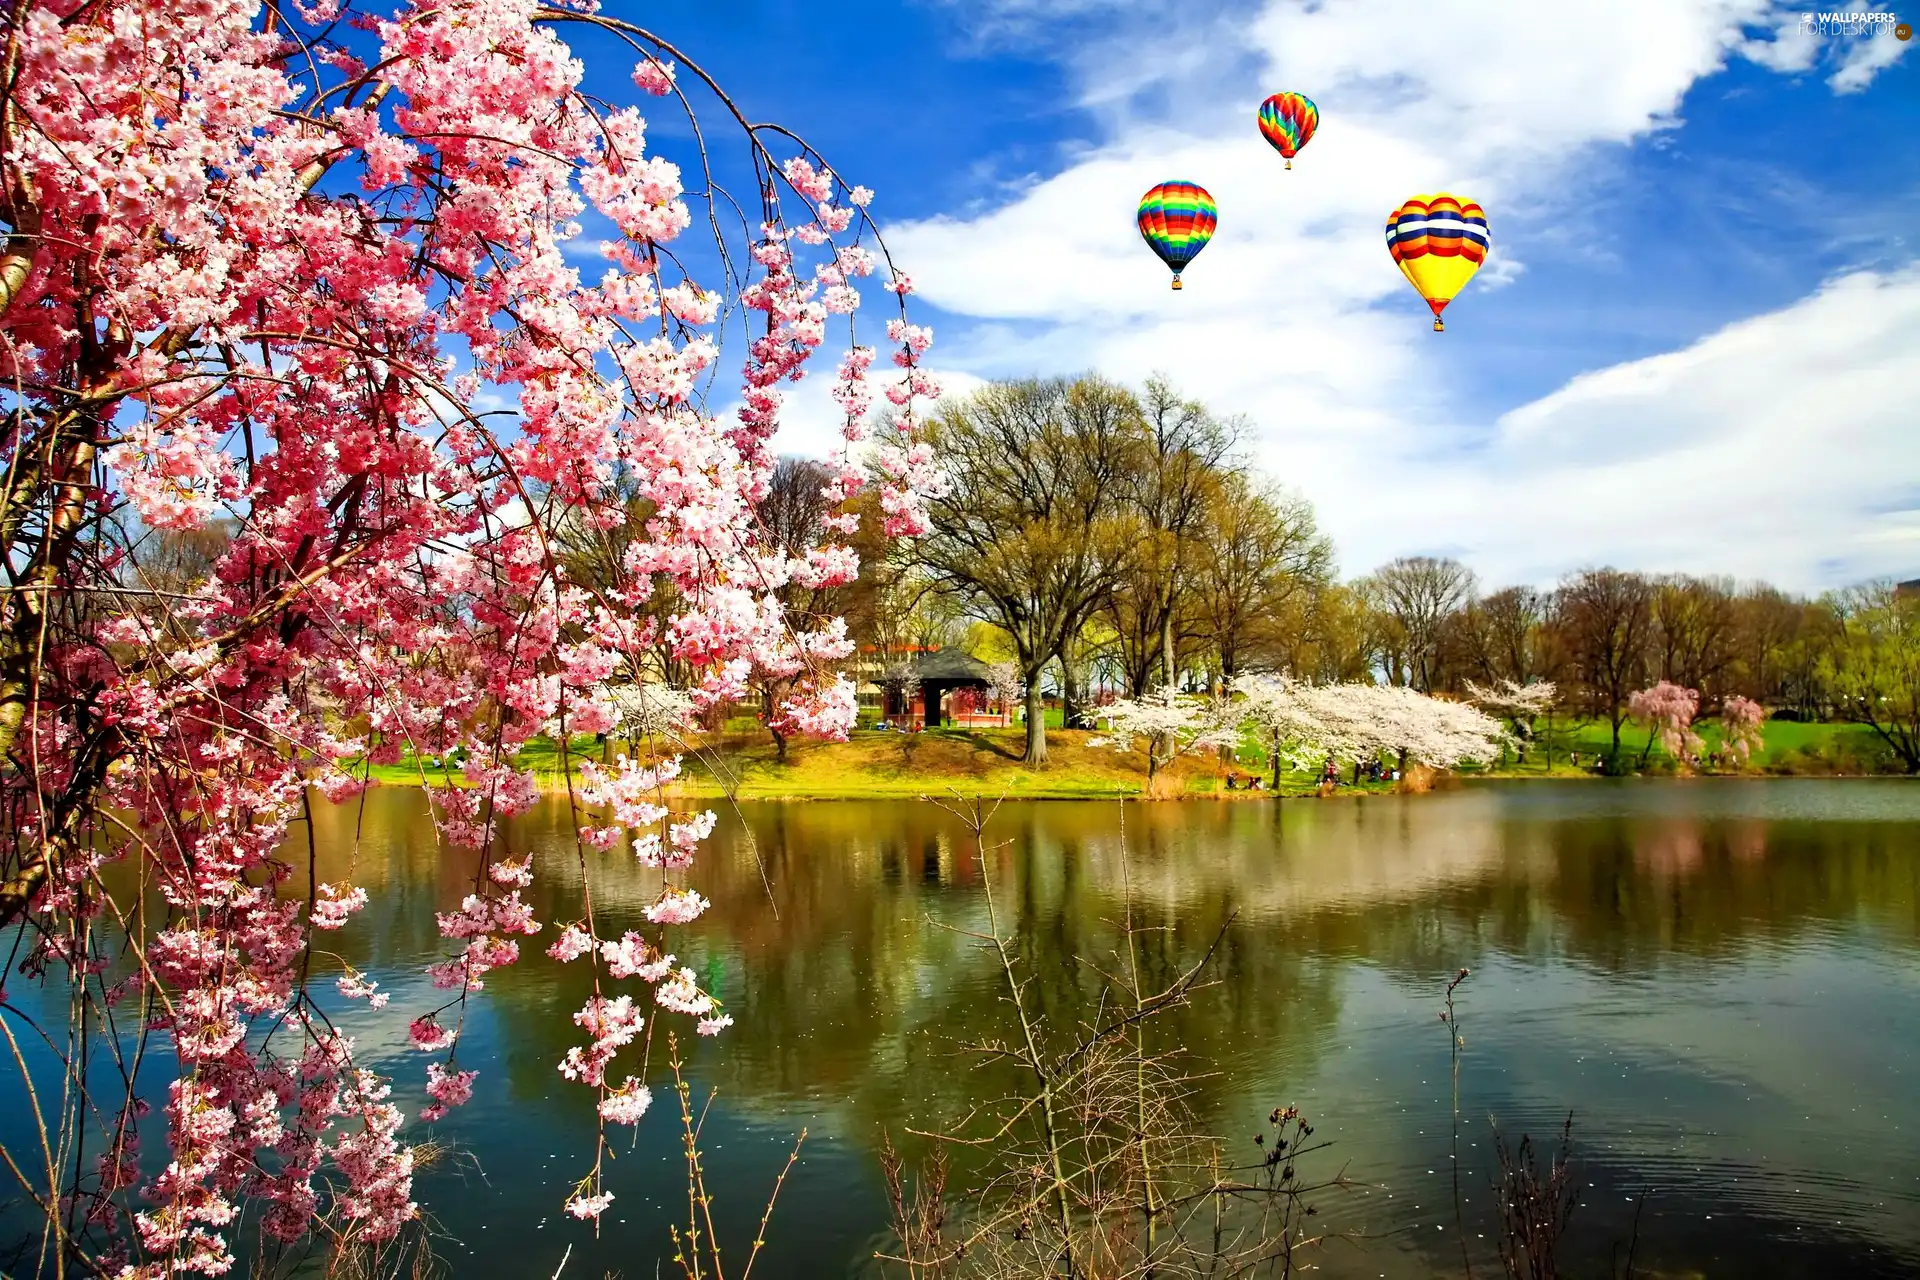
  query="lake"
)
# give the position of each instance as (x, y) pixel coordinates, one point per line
(1717, 978)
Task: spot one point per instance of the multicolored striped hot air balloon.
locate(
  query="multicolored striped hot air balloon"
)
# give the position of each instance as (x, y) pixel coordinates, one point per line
(1288, 120)
(1176, 220)
(1439, 242)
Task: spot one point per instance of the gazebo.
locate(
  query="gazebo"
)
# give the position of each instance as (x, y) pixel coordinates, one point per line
(939, 674)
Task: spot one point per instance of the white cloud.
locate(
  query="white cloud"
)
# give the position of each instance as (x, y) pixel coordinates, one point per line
(1782, 447)
(810, 421)
(1865, 58)
(1296, 316)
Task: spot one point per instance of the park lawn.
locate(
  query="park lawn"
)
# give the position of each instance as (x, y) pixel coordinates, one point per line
(1790, 745)
(982, 762)
(985, 762)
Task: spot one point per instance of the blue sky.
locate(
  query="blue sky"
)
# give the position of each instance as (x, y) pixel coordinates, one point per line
(1696, 346)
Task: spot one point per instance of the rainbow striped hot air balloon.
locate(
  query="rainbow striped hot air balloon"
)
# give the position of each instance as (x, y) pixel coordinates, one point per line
(1176, 220)
(1439, 242)
(1288, 120)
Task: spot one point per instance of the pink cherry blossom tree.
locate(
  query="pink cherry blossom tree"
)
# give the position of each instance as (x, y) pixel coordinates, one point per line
(1667, 710)
(307, 274)
(1740, 728)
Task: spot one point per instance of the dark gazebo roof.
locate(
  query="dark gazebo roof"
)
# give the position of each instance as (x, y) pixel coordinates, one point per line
(952, 666)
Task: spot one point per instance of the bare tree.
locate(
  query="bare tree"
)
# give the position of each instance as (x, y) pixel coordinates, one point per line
(1502, 636)
(1693, 633)
(1186, 458)
(1263, 562)
(1605, 616)
(1417, 595)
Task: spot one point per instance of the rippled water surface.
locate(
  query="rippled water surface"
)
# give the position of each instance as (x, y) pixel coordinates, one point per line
(1718, 979)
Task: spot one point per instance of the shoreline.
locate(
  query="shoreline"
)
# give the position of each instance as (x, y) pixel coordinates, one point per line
(986, 764)
(553, 784)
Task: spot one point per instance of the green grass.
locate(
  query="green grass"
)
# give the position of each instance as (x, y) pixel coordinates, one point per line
(981, 762)
(985, 762)
(1789, 746)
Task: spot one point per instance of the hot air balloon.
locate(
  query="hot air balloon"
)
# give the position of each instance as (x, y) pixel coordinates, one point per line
(1439, 242)
(1176, 220)
(1288, 120)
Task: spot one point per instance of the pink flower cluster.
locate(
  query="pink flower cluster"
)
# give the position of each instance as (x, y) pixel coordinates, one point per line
(1740, 727)
(303, 269)
(1668, 710)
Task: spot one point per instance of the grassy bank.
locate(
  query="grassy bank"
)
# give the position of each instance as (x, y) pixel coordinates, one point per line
(986, 762)
(871, 764)
(1791, 748)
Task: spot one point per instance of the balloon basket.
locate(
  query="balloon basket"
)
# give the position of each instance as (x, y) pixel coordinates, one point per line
(1437, 326)
(1289, 164)
(1176, 283)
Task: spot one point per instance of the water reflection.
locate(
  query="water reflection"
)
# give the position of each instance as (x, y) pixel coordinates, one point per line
(1718, 979)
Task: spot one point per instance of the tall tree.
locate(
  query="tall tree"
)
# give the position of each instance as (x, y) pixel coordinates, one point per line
(1693, 634)
(1874, 666)
(1035, 526)
(1502, 635)
(246, 248)
(1416, 596)
(1185, 461)
(1259, 574)
(1605, 616)
(791, 517)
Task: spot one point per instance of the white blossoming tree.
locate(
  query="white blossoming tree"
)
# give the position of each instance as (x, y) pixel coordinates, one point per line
(647, 710)
(1171, 724)
(1366, 720)
(1519, 704)
(1276, 709)
(1301, 724)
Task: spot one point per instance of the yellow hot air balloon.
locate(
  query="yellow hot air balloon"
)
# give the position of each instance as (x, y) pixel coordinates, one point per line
(1439, 242)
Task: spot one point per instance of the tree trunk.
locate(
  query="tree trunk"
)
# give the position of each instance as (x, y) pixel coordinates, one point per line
(1069, 693)
(1166, 639)
(1036, 721)
(779, 738)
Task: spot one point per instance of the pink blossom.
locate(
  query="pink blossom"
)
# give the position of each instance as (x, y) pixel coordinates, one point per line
(572, 943)
(626, 1104)
(654, 76)
(448, 1089)
(1668, 710)
(356, 986)
(429, 1036)
(1740, 727)
(344, 332)
(677, 906)
(334, 903)
(589, 1206)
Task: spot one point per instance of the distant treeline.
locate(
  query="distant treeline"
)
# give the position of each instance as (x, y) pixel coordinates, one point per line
(1111, 541)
